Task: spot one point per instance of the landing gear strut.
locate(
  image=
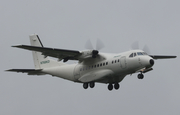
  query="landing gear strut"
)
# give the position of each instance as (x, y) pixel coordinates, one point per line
(140, 76)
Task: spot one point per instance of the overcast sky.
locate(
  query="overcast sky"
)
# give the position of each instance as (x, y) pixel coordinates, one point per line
(68, 24)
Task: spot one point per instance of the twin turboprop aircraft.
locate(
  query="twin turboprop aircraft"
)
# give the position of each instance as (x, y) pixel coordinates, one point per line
(92, 65)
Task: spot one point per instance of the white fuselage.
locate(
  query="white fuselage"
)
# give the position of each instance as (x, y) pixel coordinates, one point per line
(120, 64)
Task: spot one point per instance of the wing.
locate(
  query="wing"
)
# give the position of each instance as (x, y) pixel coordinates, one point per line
(53, 52)
(95, 76)
(161, 57)
(28, 71)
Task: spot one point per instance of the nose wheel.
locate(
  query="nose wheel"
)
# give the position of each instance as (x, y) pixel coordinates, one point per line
(140, 76)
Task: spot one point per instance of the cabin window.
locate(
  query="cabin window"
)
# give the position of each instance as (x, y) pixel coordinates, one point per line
(97, 65)
(134, 54)
(112, 62)
(106, 63)
(115, 61)
(94, 66)
(118, 60)
(103, 64)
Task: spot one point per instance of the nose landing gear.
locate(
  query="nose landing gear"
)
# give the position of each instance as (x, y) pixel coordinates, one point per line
(140, 76)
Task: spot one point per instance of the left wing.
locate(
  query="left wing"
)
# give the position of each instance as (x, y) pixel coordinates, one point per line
(95, 75)
(28, 71)
(53, 52)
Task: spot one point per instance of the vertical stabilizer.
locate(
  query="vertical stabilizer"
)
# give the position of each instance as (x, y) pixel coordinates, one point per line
(41, 61)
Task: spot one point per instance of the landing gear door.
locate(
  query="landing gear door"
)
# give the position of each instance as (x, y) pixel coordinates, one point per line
(123, 62)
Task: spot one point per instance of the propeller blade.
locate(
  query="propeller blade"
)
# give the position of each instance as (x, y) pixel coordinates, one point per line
(99, 44)
(89, 45)
(135, 45)
(146, 49)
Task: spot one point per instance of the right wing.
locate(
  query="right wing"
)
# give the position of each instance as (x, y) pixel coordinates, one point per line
(161, 57)
(28, 71)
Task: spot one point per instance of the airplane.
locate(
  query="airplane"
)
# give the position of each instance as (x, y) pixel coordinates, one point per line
(92, 67)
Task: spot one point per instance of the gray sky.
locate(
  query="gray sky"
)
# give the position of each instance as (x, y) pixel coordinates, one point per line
(69, 24)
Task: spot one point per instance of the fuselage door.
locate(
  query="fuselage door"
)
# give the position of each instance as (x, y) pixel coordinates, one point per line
(123, 62)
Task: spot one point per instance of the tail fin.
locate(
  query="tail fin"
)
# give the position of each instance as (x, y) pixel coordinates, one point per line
(41, 61)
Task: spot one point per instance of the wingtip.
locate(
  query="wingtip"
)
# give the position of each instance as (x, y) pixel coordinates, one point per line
(16, 46)
(174, 57)
(8, 70)
(13, 46)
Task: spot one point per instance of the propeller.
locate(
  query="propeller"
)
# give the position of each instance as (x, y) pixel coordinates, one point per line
(89, 45)
(99, 46)
(146, 49)
(135, 45)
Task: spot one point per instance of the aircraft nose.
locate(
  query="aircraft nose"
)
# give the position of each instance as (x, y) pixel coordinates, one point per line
(151, 61)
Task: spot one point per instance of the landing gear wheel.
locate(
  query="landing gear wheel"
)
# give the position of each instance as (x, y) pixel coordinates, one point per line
(110, 87)
(116, 86)
(85, 85)
(91, 84)
(140, 76)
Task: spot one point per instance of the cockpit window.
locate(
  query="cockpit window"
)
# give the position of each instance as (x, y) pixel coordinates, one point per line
(139, 53)
(134, 54)
(131, 55)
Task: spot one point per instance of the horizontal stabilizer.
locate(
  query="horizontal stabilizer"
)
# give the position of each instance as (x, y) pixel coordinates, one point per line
(28, 71)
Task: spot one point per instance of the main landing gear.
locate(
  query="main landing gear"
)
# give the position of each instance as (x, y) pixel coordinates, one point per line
(86, 85)
(110, 86)
(116, 86)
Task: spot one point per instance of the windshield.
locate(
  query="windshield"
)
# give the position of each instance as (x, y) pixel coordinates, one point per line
(141, 53)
